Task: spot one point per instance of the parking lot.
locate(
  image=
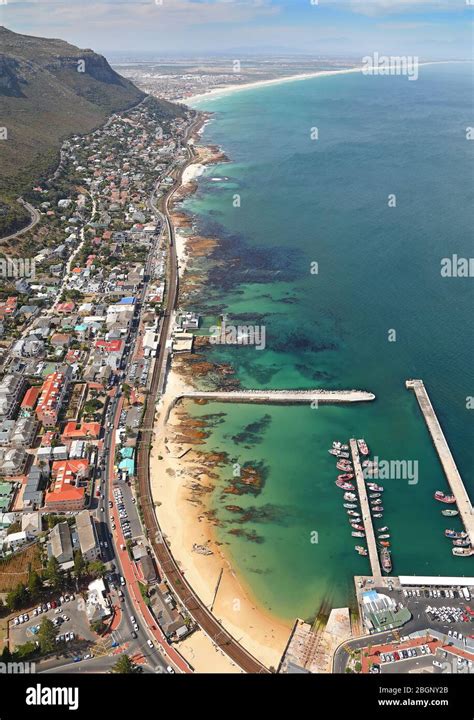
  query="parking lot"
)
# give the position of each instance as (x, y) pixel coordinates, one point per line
(128, 513)
(69, 617)
(443, 609)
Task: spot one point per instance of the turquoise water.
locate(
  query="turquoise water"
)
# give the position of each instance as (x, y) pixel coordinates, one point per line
(325, 201)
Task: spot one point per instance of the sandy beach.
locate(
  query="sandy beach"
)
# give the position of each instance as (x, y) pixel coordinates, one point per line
(222, 92)
(179, 488)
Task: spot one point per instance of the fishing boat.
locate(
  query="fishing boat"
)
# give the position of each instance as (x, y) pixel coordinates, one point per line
(361, 550)
(378, 509)
(374, 487)
(378, 515)
(386, 560)
(363, 449)
(449, 499)
(350, 506)
(375, 502)
(335, 452)
(344, 465)
(346, 476)
(463, 552)
(373, 496)
(344, 455)
(385, 543)
(344, 485)
(449, 513)
(357, 533)
(350, 496)
(353, 513)
(384, 536)
(461, 542)
(336, 444)
(454, 534)
(383, 529)
(358, 527)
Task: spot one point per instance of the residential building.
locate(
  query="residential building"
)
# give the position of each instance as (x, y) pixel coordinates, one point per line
(52, 396)
(65, 494)
(16, 540)
(34, 490)
(24, 432)
(60, 543)
(87, 535)
(28, 403)
(84, 431)
(31, 524)
(12, 388)
(13, 461)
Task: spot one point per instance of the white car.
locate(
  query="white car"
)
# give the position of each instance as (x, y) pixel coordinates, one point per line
(169, 669)
(150, 644)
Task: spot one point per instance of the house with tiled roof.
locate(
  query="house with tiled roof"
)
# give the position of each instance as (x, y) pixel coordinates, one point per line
(65, 494)
(82, 431)
(52, 396)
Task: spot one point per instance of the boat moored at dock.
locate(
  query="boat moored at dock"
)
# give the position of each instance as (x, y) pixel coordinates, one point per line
(344, 485)
(463, 552)
(449, 513)
(362, 446)
(455, 534)
(441, 497)
(386, 560)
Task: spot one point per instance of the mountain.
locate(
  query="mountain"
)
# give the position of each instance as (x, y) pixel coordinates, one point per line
(49, 90)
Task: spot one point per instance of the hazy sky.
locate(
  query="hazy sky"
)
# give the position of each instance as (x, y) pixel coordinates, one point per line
(441, 29)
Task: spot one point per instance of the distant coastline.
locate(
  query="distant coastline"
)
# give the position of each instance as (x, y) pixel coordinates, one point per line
(222, 92)
(216, 93)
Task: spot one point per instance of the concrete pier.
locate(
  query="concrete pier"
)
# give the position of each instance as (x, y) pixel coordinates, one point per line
(447, 461)
(282, 397)
(366, 516)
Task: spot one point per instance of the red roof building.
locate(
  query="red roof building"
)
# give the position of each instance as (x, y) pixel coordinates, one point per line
(31, 397)
(84, 431)
(65, 308)
(64, 495)
(51, 398)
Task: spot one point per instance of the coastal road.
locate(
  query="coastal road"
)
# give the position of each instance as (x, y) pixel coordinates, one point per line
(342, 653)
(34, 220)
(133, 604)
(169, 567)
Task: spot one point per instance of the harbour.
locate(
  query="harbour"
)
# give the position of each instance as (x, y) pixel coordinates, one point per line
(366, 514)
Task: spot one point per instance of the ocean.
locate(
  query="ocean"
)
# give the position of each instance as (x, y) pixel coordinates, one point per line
(334, 245)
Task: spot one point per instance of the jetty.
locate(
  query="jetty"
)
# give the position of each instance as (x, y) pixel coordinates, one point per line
(366, 516)
(446, 458)
(281, 397)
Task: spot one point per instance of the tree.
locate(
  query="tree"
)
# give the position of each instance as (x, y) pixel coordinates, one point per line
(47, 636)
(53, 572)
(96, 568)
(35, 584)
(124, 666)
(98, 626)
(79, 564)
(17, 598)
(22, 652)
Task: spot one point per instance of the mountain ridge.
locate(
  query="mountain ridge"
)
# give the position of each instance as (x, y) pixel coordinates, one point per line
(50, 90)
